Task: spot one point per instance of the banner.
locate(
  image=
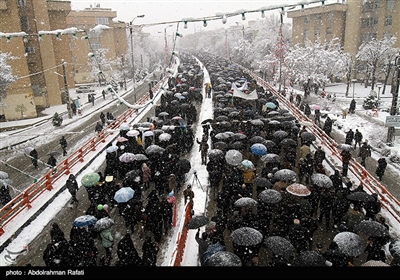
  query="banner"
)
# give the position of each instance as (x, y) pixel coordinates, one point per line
(238, 93)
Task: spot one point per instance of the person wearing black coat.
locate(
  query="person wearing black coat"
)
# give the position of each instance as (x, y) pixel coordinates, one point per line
(127, 253)
(72, 186)
(56, 233)
(5, 196)
(52, 161)
(349, 137)
(307, 110)
(380, 170)
(150, 250)
(328, 126)
(352, 107)
(34, 157)
(64, 144)
(372, 208)
(334, 256)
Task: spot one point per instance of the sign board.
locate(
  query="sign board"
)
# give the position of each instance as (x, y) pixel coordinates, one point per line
(393, 121)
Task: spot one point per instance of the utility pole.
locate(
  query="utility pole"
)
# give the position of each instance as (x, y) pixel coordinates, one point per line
(395, 96)
(66, 90)
(132, 57)
(166, 50)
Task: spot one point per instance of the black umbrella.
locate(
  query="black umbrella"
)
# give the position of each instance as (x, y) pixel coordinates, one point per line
(245, 202)
(103, 223)
(197, 221)
(360, 196)
(246, 236)
(270, 196)
(371, 228)
(215, 154)
(262, 182)
(270, 158)
(220, 145)
(238, 136)
(256, 139)
(184, 165)
(237, 145)
(307, 136)
(280, 134)
(288, 142)
(154, 149)
(310, 258)
(280, 246)
(285, 175)
(350, 244)
(271, 145)
(224, 258)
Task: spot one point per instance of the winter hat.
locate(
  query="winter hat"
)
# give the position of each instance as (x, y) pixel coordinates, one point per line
(296, 221)
(100, 207)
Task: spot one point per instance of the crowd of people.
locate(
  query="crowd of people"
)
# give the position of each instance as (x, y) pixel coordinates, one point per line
(159, 176)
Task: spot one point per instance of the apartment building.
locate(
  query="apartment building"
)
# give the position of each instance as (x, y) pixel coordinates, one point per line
(353, 22)
(38, 56)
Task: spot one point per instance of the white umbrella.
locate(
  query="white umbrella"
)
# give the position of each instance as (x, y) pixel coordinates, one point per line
(148, 133)
(233, 157)
(164, 136)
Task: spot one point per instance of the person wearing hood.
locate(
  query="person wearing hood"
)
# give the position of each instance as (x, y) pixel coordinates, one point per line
(72, 186)
(107, 241)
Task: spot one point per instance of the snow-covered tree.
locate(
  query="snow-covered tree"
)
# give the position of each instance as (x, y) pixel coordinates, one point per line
(6, 76)
(315, 64)
(374, 56)
(99, 64)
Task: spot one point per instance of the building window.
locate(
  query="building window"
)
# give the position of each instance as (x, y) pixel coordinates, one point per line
(102, 20)
(329, 30)
(306, 19)
(318, 17)
(317, 32)
(21, 3)
(37, 91)
(388, 20)
(329, 16)
(368, 22)
(29, 50)
(24, 24)
(370, 5)
(305, 34)
(389, 5)
(95, 46)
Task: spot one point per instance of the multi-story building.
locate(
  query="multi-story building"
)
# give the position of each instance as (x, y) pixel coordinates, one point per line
(38, 56)
(112, 39)
(353, 22)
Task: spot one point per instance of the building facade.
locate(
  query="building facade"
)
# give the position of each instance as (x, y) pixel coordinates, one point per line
(353, 22)
(34, 34)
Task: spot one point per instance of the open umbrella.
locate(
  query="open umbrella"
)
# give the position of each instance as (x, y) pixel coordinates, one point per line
(270, 158)
(256, 139)
(270, 105)
(270, 196)
(224, 258)
(238, 136)
(350, 244)
(154, 149)
(345, 147)
(285, 175)
(375, 263)
(371, 228)
(237, 145)
(262, 182)
(280, 134)
(257, 122)
(280, 246)
(132, 133)
(90, 179)
(215, 154)
(307, 136)
(85, 220)
(163, 114)
(164, 136)
(222, 136)
(245, 202)
(124, 126)
(220, 145)
(321, 180)
(258, 149)
(126, 157)
(310, 258)
(29, 149)
(112, 149)
(394, 248)
(124, 194)
(103, 223)
(288, 142)
(271, 145)
(121, 139)
(211, 250)
(246, 164)
(139, 157)
(360, 196)
(148, 133)
(246, 236)
(298, 189)
(316, 106)
(197, 221)
(183, 165)
(233, 157)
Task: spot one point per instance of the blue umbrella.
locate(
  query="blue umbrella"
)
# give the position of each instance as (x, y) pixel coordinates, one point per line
(112, 149)
(270, 105)
(258, 149)
(85, 220)
(124, 194)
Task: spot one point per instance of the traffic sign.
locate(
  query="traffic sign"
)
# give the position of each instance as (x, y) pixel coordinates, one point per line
(393, 121)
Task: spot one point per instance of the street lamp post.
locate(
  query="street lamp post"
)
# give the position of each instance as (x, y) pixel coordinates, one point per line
(395, 95)
(66, 89)
(354, 85)
(166, 46)
(132, 58)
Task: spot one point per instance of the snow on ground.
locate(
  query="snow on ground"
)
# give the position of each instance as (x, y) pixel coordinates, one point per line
(368, 127)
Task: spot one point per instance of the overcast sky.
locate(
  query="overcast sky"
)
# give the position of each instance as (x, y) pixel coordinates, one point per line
(166, 10)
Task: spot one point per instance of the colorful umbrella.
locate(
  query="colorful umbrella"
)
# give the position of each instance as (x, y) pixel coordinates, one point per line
(258, 149)
(124, 194)
(298, 189)
(90, 179)
(85, 220)
(126, 157)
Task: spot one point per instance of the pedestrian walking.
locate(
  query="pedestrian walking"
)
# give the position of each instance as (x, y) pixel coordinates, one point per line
(103, 118)
(365, 151)
(107, 241)
(188, 196)
(64, 144)
(5, 196)
(380, 170)
(150, 249)
(349, 137)
(352, 107)
(357, 138)
(203, 148)
(317, 116)
(103, 92)
(98, 128)
(146, 176)
(72, 186)
(52, 161)
(346, 157)
(34, 157)
(92, 99)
